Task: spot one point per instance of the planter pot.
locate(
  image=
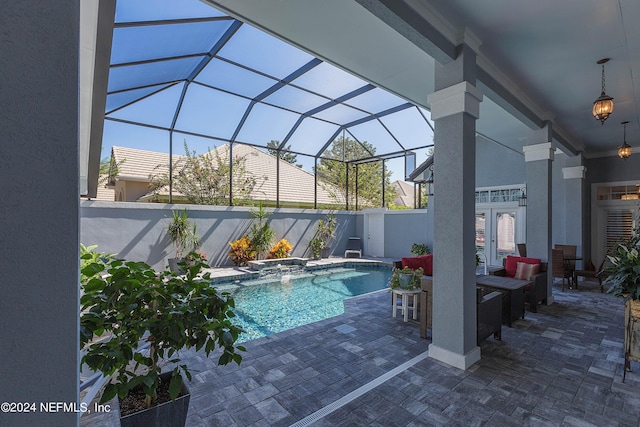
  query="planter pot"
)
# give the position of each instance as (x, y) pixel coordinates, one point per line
(325, 252)
(631, 334)
(405, 280)
(168, 414)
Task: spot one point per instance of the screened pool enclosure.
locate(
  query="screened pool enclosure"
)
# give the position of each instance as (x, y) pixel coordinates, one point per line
(186, 77)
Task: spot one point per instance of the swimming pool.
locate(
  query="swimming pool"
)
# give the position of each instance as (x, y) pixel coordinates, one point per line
(268, 306)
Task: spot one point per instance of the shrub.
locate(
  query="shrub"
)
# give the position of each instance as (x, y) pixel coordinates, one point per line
(420, 249)
(281, 249)
(242, 251)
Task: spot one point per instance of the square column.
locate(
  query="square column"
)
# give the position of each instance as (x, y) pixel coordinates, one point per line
(575, 207)
(39, 262)
(538, 158)
(454, 110)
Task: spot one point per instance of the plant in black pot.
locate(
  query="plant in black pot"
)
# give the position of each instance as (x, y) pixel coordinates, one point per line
(182, 233)
(320, 244)
(161, 314)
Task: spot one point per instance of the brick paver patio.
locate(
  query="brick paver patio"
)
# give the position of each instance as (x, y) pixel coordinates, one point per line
(560, 366)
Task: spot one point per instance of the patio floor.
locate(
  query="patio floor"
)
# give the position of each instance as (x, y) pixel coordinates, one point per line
(560, 366)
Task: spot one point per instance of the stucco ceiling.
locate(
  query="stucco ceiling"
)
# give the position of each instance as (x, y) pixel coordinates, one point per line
(544, 53)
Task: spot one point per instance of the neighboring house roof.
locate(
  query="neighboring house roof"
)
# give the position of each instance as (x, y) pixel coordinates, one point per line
(296, 184)
(138, 165)
(105, 193)
(404, 194)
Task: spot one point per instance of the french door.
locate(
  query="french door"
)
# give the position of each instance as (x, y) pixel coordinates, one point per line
(497, 232)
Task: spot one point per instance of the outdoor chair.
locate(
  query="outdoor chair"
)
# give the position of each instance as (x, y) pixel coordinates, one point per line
(569, 259)
(488, 311)
(522, 249)
(558, 268)
(590, 273)
(354, 247)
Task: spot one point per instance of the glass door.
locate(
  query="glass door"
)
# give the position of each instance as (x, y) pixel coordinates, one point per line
(496, 234)
(505, 236)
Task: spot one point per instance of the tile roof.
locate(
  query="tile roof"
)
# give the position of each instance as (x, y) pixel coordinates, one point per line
(296, 184)
(404, 194)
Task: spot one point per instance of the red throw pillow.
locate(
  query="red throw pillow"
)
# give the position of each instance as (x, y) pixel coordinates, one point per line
(412, 263)
(511, 265)
(426, 262)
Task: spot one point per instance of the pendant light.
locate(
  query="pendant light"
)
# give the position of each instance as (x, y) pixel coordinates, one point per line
(624, 151)
(603, 106)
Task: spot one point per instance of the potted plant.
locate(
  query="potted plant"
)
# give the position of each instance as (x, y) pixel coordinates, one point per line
(182, 233)
(406, 278)
(168, 312)
(320, 244)
(418, 249)
(623, 279)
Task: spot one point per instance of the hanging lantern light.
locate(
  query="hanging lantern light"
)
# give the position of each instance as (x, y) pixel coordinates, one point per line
(624, 151)
(603, 106)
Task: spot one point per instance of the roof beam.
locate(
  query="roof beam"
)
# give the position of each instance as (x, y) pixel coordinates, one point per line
(323, 107)
(365, 120)
(279, 85)
(406, 21)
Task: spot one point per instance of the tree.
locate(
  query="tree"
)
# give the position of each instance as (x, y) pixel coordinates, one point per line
(108, 171)
(333, 173)
(204, 179)
(285, 153)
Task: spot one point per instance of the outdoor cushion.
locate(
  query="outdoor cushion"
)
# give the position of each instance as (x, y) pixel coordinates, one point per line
(427, 264)
(524, 271)
(424, 261)
(412, 263)
(511, 263)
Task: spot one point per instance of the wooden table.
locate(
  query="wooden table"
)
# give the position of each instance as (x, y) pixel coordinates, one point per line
(512, 295)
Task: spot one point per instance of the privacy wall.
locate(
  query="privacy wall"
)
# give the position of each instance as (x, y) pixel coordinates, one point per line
(137, 231)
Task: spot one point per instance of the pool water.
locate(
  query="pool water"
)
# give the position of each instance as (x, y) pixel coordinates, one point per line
(265, 307)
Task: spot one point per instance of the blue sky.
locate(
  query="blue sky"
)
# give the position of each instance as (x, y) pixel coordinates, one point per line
(237, 95)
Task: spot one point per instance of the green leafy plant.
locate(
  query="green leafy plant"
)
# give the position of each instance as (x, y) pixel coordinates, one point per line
(88, 256)
(168, 311)
(324, 233)
(280, 250)
(624, 272)
(261, 233)
(182, 232)
(395, 281)
(242, 251)
(418, 249)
